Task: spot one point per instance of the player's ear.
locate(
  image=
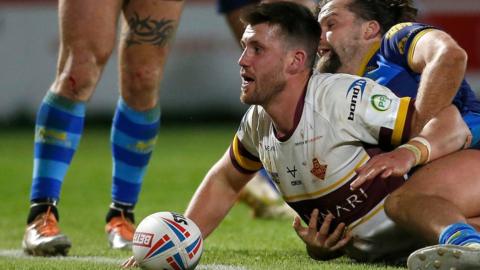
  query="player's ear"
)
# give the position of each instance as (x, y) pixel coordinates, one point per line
(371, 30)
(297, 61)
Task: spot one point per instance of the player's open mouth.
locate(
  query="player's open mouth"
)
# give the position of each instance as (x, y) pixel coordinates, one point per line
(246, 80)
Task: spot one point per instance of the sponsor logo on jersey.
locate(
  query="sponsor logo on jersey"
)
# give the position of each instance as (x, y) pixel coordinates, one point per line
(296, 182)
(356, 89)
(308, 141)
(395, 29)
(269, 148)
(346, 206)
(319, 170)
(293, 171)
(380, 102)
(401, 45)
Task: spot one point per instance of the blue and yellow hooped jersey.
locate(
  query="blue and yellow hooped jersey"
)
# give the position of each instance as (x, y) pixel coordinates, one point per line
(388, 63)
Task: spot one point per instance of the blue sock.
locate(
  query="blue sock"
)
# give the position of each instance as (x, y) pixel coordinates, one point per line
(58, 129)
(133, 139)
(459, 234)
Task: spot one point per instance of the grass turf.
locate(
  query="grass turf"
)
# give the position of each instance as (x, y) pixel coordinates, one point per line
(181, 159)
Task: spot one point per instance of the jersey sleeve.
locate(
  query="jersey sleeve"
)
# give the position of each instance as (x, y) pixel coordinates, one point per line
(368, 112)
(399, 42)
(243, 150)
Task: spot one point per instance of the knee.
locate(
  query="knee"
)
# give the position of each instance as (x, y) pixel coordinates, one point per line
(393, 205)
(140, 85)
(141, 78)
(79, 71)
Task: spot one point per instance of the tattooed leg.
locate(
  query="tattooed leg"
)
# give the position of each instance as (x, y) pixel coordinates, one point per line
(149, 31)
(148, 28)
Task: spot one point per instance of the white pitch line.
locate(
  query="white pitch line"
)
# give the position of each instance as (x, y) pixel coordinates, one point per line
(17, 253)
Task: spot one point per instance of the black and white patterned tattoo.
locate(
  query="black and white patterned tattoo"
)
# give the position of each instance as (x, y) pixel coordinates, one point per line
(149, 31)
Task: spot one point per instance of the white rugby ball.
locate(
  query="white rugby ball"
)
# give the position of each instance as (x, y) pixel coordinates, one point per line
(167, 241)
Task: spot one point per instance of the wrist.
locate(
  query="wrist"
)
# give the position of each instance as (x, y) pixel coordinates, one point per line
(420, 148)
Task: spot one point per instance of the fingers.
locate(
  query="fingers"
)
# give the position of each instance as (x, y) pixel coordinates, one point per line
(307, 233)
(366, 175)
(322, 238)
(130, 262)
(342, 243)
(297, 224)
(379, 165)
(336, 235)
(312, 224)
(325, 228)
(387, 173)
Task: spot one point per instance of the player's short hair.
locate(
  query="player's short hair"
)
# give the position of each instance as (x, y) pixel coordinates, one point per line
(386, 12)
(297, 24)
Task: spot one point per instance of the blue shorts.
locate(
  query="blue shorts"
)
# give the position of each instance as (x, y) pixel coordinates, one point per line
(472, 119)
(226, 6)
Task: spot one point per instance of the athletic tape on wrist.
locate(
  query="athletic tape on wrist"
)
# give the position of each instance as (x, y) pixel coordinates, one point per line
(426, 143)
(415, 150)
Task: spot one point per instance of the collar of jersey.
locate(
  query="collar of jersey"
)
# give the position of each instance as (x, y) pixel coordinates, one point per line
(368, 56)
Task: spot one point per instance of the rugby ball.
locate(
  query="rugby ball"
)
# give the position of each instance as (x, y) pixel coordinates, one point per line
(167, 241)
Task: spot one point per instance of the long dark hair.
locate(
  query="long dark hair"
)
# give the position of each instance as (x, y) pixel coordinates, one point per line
(386, 12)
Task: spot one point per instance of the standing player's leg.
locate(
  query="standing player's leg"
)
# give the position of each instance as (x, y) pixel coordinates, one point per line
(147, 33)
(233, 9)
(87, 34)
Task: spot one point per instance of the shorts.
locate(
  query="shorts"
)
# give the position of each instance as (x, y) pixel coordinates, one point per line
(376, 238)
(472, 119)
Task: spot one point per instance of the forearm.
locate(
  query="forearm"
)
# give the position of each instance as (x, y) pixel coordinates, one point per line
(436, 91)
(216, 195)
(442, 64)
(209, 205)
(446, 133)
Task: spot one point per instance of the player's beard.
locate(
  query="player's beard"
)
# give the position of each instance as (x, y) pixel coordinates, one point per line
(265, 91)
(329, 63)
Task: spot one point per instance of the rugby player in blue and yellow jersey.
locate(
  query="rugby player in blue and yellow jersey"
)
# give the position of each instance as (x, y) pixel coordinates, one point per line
(380, 40)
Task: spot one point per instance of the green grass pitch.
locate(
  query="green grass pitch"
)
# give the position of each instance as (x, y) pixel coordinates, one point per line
(182, 157)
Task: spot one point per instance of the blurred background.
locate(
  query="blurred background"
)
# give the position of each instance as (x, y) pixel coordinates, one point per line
(201, 80)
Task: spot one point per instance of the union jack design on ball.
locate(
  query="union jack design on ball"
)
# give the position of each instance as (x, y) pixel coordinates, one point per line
(175, 262)
(180, 231)
(160, 246)
(165, 243)
(194, 247)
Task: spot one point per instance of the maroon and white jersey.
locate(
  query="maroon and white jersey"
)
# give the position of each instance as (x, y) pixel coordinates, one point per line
(339, 119)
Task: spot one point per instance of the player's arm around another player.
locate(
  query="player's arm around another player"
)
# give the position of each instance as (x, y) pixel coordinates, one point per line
(442, 63)
(444, 134)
